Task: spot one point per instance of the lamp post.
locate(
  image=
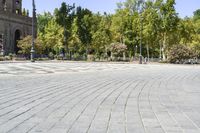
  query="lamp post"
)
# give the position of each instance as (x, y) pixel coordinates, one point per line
(33, 33)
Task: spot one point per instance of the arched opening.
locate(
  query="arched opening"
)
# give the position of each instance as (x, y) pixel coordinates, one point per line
(17, 2)
(4, 2)
(17, 38)
(4, 5)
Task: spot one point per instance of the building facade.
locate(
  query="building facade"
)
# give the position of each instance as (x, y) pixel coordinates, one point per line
(13, 25)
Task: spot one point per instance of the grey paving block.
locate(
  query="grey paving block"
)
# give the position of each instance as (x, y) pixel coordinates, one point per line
(99, 98)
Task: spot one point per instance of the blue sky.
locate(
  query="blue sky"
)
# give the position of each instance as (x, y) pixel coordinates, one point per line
(183, 7)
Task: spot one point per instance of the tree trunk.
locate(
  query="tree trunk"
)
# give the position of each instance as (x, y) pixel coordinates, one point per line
(160, 52)
(164, 47)
(124, 56)
(147, 51)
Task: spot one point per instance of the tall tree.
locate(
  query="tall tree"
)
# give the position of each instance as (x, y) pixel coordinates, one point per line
(42, 20)
(169, 24)
(64, 17)
(74, 41)
(150, 27)
(101, 35)
(196, 14)
(84, 20)
(53, 37)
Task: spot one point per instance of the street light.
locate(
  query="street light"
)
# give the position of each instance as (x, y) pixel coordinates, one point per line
(33, 33)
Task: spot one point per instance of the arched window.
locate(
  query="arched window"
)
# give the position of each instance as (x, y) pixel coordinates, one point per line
(17, 2)
(4, 5)
(3, 2)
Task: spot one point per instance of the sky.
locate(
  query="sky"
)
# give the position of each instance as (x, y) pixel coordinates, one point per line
(184, 7)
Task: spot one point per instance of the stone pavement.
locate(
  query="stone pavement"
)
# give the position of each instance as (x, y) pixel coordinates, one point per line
(99, 98)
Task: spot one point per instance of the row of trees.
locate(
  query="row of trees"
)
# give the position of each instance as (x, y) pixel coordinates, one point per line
(77, 31)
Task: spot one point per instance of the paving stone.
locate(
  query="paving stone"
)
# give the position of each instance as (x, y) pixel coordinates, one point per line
(91, 97)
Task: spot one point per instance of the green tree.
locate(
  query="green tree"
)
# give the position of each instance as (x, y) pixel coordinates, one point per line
(42, 21)
(101, 35)
(196, 15)
(74, 41)
(84, 22)
(64, 17)
(25, 46)
(151, 22)
(24, 13)
(126, 24)
(169, 24)
(53, 37)
(196, 37)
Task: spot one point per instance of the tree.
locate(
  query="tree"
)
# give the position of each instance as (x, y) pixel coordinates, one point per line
(151, 22)
(84, 22)
(196, 15)
(196, 37)
(53, 37)
(74, 41)
(186, 30)
(42, 21)
(24, 13)
(126, 24)
(131, 5)
(25, 46)
(87, 33)
(101, 35)
(169, 24)
(64, 17)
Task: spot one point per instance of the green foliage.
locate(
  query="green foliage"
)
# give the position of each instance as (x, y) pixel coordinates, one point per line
(101, 36)
(42, 20)
(197, 15)
(74, 41)
(84, 23)
(53, 37)
(64, 17)
(80, 32)
(25, 46)
(24, 13)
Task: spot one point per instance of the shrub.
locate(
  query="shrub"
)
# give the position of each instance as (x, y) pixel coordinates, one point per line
(117, 49)
(180, 53)
(76, 56)
(1, 58)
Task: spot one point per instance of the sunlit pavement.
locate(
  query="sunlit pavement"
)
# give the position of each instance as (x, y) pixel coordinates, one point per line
(99, 98)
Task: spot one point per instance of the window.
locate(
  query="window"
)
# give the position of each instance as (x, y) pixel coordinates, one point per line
(4, 5)
(17, 2)
(17, 11)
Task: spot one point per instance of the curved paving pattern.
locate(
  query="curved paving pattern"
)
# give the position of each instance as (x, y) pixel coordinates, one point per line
(99, 98)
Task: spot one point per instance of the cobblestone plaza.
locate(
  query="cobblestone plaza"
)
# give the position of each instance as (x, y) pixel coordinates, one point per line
(99, 98)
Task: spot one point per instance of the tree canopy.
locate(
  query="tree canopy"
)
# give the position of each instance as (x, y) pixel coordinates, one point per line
(155, 23)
